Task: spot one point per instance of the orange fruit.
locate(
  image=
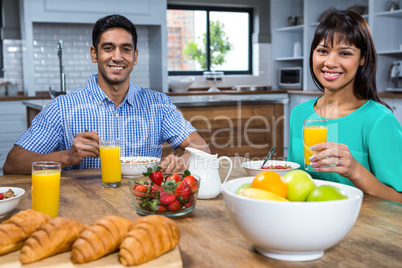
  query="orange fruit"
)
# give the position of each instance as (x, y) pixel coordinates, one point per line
(270, 181)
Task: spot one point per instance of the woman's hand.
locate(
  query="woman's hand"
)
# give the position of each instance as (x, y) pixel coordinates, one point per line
(333, 157)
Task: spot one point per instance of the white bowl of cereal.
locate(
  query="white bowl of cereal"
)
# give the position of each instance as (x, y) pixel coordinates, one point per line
(132, 167)
(9, 199)
(254, 167)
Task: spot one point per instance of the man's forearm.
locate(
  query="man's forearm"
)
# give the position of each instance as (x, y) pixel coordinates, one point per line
(19, 160)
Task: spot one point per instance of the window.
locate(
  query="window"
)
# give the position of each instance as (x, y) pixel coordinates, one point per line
(208, 39)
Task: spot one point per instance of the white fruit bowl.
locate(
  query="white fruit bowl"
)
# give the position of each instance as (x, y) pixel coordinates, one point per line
(254, 167)
(292, 231)
(7, 205)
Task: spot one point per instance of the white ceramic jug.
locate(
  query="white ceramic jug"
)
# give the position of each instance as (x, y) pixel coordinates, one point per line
(206, 166)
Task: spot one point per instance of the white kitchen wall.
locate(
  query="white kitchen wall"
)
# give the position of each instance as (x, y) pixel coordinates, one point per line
(12, 60)
(77, 40)
(76, 58)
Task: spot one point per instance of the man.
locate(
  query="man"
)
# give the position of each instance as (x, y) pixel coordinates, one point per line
(69, 129)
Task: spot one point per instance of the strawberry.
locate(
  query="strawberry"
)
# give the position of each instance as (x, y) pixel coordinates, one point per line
(161, 209)
(192, 182)
(183, 190)
(154, 205)
(155, 175)
(174, 206)
(189, 202)
(280, 167)
(140, 190)
(155, 189)
(175, 177)
(166, 198)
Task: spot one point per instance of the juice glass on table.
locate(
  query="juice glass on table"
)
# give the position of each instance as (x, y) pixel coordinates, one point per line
(110, 162)
(314, 132)
(46, 187)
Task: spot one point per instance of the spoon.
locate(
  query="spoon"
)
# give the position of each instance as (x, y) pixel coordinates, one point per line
(268, 156)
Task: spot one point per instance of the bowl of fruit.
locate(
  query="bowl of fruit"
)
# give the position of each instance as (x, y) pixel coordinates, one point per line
(254, 167)
(291, 217)
(170, 195)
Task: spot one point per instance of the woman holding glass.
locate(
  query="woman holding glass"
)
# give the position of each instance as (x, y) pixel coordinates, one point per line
(364, 139)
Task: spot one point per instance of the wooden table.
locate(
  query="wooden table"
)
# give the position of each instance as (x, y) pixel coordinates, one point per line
(209, 239)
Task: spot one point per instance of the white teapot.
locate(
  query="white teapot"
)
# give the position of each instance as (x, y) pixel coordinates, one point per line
(206, 166)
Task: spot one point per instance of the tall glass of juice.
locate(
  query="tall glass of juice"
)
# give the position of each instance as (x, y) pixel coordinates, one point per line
(46, 187)
(110, 162)
(314, 132)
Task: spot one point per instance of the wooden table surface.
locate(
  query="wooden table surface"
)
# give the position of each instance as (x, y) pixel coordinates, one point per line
(209, 239)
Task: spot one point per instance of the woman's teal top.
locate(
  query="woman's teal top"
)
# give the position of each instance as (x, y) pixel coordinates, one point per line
(372, 133)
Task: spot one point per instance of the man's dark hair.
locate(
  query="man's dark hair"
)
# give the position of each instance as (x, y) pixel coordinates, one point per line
(113, 21)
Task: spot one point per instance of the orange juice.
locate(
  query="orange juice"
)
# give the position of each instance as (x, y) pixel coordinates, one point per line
(313, 135)
(110, 164)
(45, 191)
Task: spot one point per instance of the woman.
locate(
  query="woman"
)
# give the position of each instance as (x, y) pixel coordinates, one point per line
(364, 142)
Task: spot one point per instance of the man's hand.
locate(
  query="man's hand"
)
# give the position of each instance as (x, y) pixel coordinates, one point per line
(85, 144)
(172, 164)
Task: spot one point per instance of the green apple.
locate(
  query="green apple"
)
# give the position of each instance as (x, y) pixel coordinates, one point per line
(300, 184)
(242, 187)
(326, 193)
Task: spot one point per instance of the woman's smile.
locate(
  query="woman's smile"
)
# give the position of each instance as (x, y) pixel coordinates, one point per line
(331, 75)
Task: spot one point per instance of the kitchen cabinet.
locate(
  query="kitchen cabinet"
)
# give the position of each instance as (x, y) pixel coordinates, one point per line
(242, 129)
(384, 25)
(150, 12)
(12, 124)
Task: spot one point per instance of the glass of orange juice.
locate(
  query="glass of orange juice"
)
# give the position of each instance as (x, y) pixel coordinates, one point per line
(314, 132)
(46, 187)
(110, 162)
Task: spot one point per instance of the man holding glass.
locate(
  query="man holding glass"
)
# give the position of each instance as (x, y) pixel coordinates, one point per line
(109, 106)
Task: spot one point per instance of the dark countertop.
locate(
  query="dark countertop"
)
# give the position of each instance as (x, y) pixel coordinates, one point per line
(205, 93)
(185, 100)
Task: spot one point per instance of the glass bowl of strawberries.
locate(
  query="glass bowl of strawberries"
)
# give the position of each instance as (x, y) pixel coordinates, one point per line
(170, 195)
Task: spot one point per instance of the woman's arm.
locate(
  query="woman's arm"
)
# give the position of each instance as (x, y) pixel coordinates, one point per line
(335, 157)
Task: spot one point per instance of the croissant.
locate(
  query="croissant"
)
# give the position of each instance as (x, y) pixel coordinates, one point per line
(102, 237)
(150, 237)
(56, 236)
(15, 230)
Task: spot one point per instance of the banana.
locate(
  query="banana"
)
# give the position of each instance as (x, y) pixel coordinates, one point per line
(261, 194)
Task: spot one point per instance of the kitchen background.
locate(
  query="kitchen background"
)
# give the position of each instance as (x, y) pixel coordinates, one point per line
(32, 28)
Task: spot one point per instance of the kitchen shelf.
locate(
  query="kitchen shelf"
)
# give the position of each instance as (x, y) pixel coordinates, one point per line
(289, 59)
(390, 53)
(395, 14)
(297, 28)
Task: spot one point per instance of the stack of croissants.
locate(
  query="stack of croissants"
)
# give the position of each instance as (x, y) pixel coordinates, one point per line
(40, 236)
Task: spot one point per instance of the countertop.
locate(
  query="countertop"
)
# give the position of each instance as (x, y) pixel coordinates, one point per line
(204, 99)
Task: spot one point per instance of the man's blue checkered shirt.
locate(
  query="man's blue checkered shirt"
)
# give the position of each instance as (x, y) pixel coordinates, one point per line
(142, 122)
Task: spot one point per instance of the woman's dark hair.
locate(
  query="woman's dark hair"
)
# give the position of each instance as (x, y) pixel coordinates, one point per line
(113, 21)
(351, 28)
